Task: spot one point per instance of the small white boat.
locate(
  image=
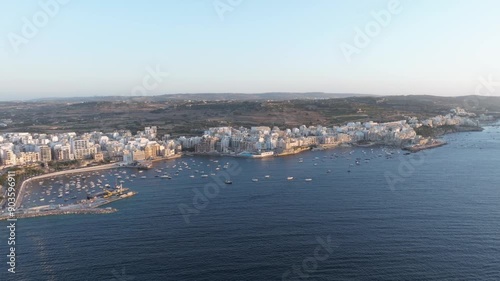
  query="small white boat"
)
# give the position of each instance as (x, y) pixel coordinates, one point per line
(289, 178)
(267, 176)
(204, 176)
(143, 177)
(308, 179)
(255, 180)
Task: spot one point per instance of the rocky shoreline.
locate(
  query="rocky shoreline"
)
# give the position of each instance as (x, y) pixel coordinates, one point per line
(416, 148)
(443, 130)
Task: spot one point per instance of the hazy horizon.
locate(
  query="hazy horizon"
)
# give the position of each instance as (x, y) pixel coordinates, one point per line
(56, 48)
(48, 97)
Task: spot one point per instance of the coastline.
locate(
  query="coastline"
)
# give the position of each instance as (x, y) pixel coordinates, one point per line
(175, 156)
(325, 146)
(95, 210)
(91, 211)
(295, 151)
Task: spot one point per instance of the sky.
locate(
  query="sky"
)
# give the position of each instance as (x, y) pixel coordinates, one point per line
(64, 48)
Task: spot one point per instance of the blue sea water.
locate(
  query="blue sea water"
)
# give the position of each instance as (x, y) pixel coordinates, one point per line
(433, 215)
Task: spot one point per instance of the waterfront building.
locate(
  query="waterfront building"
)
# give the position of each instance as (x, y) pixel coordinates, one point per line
(8, 157)
(138, 155)
(127, 156)
(98, 157)
(62, 153)
(28, 158)
(45, 153)
(152, 150)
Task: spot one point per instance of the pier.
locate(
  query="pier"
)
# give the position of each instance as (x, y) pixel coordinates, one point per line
(34, 214)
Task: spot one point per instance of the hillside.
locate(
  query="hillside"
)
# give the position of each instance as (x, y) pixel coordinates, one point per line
(192, 116)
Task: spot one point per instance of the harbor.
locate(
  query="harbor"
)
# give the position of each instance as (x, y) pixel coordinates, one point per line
(86, 190)
(70, 198)
(78, 191)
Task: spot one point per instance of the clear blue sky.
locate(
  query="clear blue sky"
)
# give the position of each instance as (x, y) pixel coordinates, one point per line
(96, 47)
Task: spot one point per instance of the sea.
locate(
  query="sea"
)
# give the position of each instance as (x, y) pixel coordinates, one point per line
(351, 213)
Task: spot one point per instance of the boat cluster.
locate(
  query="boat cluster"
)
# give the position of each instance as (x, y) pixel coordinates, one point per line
(71, 188)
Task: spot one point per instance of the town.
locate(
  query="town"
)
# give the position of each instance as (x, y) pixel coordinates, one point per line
(52, 150)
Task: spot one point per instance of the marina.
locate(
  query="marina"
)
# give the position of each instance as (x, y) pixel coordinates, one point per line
(81, 192)
(71, 188)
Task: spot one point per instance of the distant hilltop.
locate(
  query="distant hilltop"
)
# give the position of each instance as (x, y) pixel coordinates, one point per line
(207, 96)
